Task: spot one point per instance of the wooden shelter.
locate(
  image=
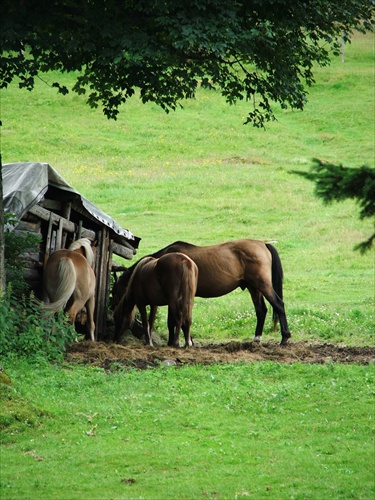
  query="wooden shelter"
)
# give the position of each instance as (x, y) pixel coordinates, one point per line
(46, 205)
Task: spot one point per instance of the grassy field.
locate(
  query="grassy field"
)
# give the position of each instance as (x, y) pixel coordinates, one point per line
(199, 175)
(260, 430)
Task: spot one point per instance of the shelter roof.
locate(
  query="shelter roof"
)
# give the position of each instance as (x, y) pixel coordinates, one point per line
(25, 184)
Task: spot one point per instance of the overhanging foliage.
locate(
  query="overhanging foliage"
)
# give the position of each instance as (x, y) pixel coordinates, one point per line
(261, 50)
(338, 183)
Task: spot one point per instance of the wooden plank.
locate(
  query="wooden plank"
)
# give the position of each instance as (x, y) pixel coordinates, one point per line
(122, 251)
(30, 227)
(124, 242)
(79, 230)
(44, 214)
(102, 282)
(97, 288)
(109, 270)
(59, 235)
(52, 205)
(48, 239)
(69, 226)
(99, 310)
(66, 211)
(107, 281)
(117, 268)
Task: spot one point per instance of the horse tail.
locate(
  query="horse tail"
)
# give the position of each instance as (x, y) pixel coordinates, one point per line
(277, 278)
(188, 289)
(86, 245)
(66, 277)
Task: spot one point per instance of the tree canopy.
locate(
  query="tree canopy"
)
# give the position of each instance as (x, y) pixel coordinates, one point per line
(259, 50)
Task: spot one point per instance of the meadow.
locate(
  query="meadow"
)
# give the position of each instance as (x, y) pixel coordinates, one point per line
(198, 174)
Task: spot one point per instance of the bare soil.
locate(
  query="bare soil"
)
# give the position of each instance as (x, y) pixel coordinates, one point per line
(110, 355)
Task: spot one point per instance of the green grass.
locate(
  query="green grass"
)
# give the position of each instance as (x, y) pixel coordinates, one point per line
(247, 430)
(260, 430)
(199, 175)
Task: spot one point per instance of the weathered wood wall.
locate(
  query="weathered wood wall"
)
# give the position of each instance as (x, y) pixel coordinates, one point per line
(56, 231)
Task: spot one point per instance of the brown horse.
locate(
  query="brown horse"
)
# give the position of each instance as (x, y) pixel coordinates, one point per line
(69, 282)
(170, 280)
(248, 264)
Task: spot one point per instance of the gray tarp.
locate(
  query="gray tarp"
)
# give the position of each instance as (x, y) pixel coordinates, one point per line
(25, 184)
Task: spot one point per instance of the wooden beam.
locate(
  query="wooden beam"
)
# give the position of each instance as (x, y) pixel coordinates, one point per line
(102, 282)
(117, 268)
(48, 239)
(69, 226)
(59, 235)
(121, 251)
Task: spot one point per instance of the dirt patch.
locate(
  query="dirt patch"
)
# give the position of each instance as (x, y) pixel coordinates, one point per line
(109, 355)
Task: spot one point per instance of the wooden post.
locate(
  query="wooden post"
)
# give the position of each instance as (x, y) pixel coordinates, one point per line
(100, 286)
(102, 282)
(79, 230)
(66, 214)
(48, 240)
(59, 235)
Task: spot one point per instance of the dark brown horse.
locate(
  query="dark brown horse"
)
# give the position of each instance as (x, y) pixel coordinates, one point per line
(248, 264)
(170, 280)
(69, 282)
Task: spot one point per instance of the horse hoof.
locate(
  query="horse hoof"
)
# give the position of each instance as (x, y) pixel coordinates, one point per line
(257, 339)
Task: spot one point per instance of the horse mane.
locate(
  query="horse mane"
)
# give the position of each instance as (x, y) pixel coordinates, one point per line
(136, 266)
(126, 298)
(86, 245)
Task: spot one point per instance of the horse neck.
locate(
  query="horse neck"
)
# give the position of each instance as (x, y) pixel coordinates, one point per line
(128, 307)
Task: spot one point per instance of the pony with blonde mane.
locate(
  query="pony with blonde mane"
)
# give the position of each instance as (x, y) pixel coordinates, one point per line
(169, 281)
(69, 282)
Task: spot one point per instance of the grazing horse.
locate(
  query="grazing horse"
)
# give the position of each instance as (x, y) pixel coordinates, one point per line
(248, 264)
(69, 282)
(170, 280)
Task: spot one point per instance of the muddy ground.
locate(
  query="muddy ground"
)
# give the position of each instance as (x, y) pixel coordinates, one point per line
(110, 355)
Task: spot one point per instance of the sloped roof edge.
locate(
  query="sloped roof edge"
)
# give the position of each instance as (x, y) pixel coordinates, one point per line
(25, 184)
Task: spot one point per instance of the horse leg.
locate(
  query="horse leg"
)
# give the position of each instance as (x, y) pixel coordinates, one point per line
(173, 337)
(74, 309)
(279, 308)
(90, 305)
(260, 311)
(146, 329)
(280, 311)
(151, 319)
(186, 329)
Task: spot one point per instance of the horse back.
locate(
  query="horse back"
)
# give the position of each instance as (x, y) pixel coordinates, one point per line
(178, 278)
(222, 267)
(85, 276)
(158, 281)
(176, 247)
(174, 267)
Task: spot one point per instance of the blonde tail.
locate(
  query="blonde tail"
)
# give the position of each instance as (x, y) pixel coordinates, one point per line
(67, 276)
